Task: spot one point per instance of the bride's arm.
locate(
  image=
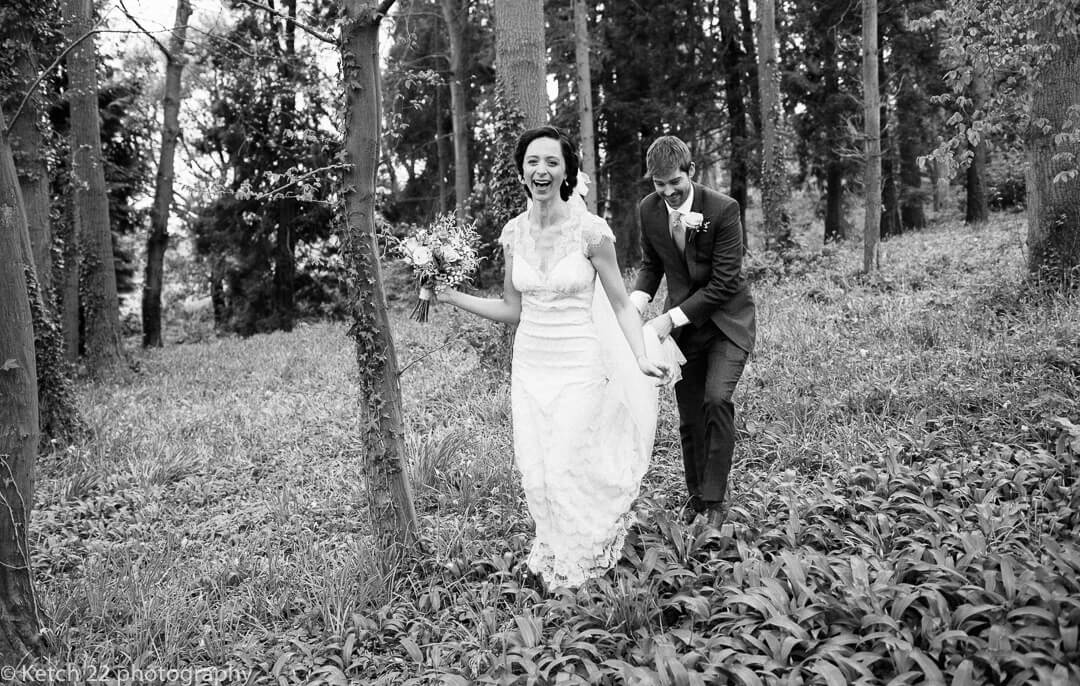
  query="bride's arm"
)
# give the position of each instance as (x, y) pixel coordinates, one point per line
(607, 268)
(506, 309)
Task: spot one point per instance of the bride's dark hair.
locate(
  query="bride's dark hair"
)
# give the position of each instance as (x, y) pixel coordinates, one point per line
(569, 153)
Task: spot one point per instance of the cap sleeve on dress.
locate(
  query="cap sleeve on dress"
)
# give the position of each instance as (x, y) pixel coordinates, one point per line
(506, 238)
(594, 230)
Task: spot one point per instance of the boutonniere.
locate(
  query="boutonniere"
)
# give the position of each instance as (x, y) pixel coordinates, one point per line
(694, 222)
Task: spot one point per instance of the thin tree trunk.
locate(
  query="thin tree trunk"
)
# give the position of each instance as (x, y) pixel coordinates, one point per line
(157, 242)
(941, 186)
(454, 28)
(100, 304)
(20, 626)
(287, 209)
(834, 202)
(751, 64)
(285, 265)
(872, 115)
(773, 176)
(584, 99)
(733, 92)
(890, 191)
(442, 152)
(909, 139)
(382, 426)
(1053, 197)
(977, 209)
(520, 67)
(69, 306)
(835, 228)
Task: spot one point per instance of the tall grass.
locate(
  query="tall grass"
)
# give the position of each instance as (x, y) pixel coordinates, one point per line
(215, 518)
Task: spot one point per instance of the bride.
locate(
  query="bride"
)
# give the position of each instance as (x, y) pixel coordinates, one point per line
(582, 400)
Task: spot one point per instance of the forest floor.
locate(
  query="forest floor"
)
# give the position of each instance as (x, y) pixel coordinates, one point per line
(906, 506)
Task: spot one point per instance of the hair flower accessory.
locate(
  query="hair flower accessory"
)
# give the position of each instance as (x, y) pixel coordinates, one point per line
(582, 185)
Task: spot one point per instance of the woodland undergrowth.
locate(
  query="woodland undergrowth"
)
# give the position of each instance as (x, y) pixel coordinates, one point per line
(905, 502)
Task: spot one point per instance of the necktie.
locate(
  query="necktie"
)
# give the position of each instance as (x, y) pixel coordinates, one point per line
(678, 231)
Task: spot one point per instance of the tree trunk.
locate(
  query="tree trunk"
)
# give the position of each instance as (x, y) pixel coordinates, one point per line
(773, 176)
(872, 124)
(20, 626)
(890, 191)
(520, 67)
(59, 417)
(909, 141)
(100, 304)
(835, 226)
(443, 154)
(287, 207)
(940, 184)
(751, 64)
(584, 100)
(285, 265)
(455, 29)
(733, 93)
(978, 202)
(1053, 187)
(27, 146)
(157, 242)
(834, 202)
(382, 426)
(68, 304)
(977, 205)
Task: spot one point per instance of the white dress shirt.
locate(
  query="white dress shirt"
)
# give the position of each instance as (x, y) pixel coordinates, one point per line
(641, 298)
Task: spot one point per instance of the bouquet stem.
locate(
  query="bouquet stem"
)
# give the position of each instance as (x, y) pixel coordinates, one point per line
(423, 304)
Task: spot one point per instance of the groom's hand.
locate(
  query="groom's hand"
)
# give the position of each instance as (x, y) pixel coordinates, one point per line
(662, 325)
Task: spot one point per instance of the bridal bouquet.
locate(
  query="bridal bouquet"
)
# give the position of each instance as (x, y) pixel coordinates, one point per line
(444, 253)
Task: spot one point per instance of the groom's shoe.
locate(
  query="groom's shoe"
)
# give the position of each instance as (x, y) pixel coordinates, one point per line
(716, 513)
(694, 507)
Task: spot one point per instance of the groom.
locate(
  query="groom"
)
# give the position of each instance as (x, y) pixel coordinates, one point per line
(693, 236)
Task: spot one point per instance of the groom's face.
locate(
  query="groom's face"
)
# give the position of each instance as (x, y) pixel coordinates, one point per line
(673, 186)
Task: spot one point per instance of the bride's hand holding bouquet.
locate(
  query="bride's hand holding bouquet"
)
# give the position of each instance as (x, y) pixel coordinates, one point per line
(441, 256)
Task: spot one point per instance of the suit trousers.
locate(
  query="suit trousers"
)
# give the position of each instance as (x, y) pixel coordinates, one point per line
(713, 367)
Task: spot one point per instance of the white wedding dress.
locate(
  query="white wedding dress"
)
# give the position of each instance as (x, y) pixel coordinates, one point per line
(584, 415)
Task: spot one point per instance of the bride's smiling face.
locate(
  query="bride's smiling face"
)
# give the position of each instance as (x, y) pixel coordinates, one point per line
(544, 169)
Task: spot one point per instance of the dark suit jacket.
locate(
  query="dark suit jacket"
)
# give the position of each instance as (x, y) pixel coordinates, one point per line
(708, 284)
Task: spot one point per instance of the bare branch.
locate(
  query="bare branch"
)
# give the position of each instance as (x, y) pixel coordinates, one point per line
(326, 38)
(218, 37)
(124, 9)
(294, 181)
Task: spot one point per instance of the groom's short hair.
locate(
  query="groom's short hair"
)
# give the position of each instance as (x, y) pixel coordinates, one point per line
(665, 155)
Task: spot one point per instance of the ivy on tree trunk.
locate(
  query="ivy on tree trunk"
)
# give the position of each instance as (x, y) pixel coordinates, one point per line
(382, 438)
(19, 432)
(100, 303)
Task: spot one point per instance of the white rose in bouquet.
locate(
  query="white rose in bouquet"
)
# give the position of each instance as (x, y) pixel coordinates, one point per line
(421, 255)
